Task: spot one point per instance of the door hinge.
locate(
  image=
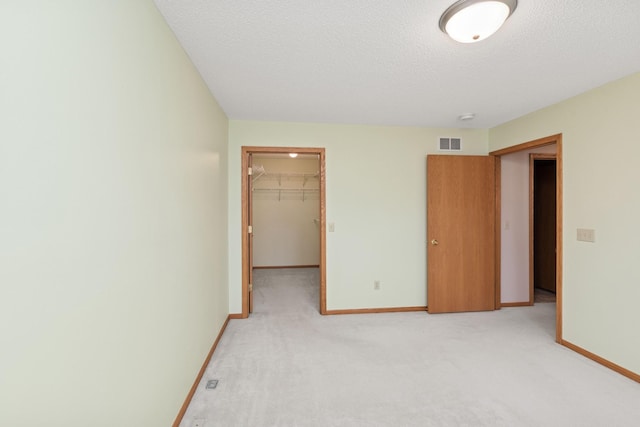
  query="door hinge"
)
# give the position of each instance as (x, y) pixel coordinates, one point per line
(250, 229)
(250, 287)
(250, 171)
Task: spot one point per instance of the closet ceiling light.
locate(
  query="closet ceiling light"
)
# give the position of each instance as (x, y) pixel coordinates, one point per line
(293, 155)
(469, 21)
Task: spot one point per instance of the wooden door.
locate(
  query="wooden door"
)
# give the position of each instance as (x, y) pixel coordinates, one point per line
(544, 221)
(460, 233)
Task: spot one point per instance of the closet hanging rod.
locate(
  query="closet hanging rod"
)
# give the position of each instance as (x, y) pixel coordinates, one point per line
(279, 175)
(289, 190)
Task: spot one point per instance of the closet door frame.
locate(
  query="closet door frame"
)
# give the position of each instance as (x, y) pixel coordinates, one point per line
(246, 218)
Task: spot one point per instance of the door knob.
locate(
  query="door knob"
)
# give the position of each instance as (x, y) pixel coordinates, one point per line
(434, 242)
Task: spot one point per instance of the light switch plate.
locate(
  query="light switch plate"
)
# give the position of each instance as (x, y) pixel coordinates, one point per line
(586, 235)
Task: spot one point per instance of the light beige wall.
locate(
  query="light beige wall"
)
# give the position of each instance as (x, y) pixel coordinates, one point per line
(601, 147)
(376, 196)
(514, 215)
(113, 199)
(284, 208)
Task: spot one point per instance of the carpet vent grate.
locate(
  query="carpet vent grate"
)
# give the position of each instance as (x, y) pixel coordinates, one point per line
(211, 384)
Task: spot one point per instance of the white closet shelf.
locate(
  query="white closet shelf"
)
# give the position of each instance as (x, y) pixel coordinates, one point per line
(287, 183)
(268, 176)
(281, 191)
(288, 190)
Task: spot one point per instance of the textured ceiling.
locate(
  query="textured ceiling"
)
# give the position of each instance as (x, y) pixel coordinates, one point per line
(387, 62)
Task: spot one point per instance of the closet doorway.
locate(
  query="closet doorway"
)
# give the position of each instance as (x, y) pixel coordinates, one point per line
(542, 225)
(515, 280)
(283, 214)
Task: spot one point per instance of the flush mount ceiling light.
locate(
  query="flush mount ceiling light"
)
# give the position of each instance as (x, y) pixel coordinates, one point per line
(469, 21)
(293, 155)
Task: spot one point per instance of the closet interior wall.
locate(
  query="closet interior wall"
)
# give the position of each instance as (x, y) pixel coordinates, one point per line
(286, 211)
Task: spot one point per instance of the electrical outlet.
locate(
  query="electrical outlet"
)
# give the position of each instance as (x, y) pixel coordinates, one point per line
(376, 285)
(586, 235)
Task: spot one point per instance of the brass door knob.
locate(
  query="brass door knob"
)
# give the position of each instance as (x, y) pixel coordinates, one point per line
(434, 242)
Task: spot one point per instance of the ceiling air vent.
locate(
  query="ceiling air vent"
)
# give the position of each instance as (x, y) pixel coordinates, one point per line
(450, 144)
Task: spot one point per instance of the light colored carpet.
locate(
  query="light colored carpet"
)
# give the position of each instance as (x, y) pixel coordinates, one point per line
(288, 366)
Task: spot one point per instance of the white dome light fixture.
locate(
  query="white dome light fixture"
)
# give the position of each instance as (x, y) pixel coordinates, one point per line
(469, 21)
